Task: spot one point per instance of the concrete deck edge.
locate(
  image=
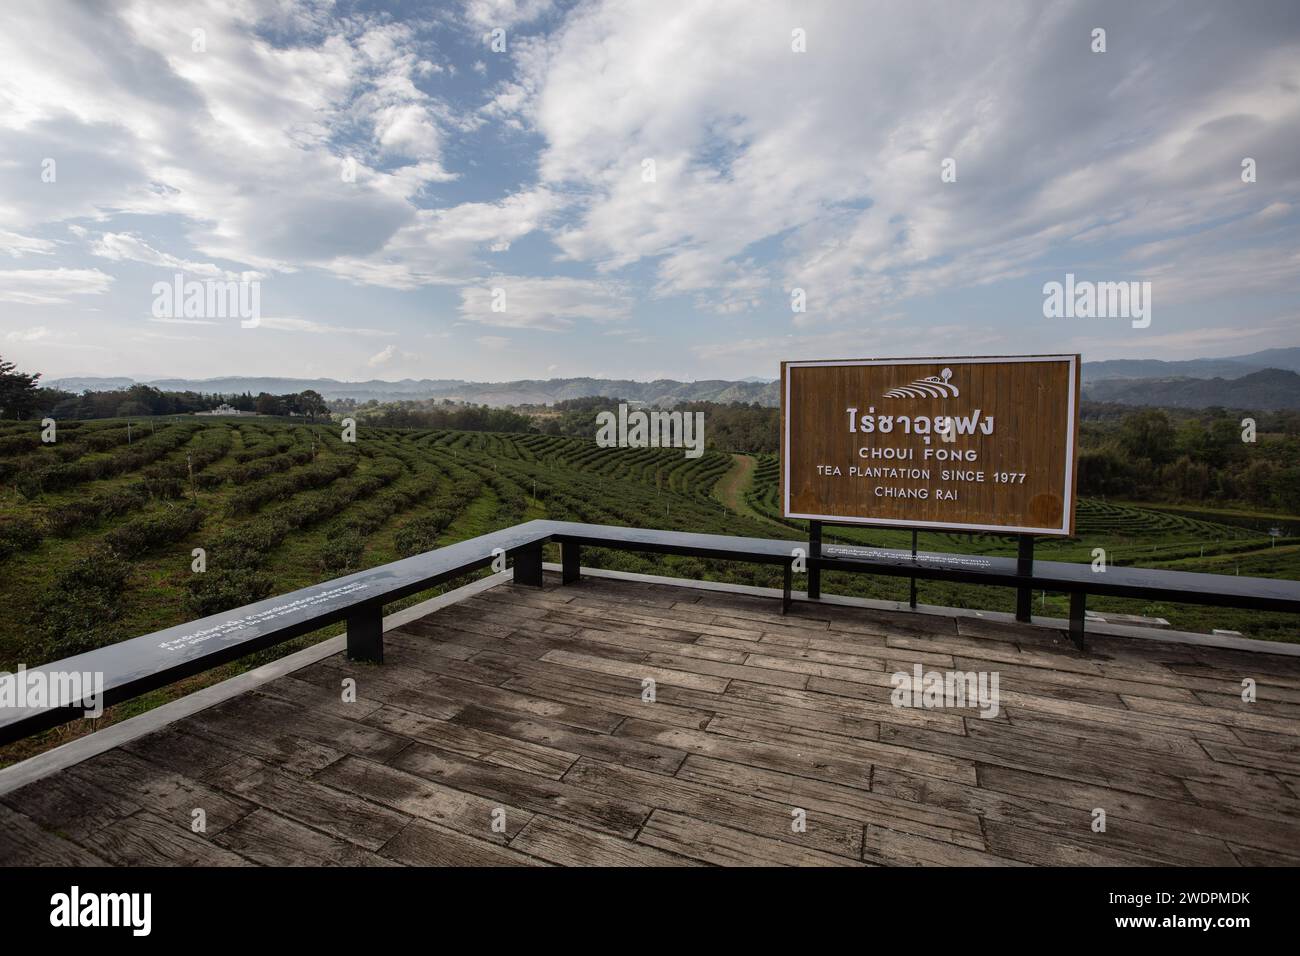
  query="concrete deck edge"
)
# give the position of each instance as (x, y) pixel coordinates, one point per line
(93, 744)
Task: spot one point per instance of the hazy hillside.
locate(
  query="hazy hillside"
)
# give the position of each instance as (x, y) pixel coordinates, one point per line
(1231, 367)
(1269, 389)
(526, 391)
(1231, 381)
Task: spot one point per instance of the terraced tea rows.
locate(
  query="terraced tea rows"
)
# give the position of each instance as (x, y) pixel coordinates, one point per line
(99, 534)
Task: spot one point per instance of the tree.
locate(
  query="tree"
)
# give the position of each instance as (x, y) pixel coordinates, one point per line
(1148, 434)
(18, 396)
(312, 403)
(268, 404)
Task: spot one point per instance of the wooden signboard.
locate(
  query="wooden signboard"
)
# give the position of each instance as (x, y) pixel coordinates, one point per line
(974, 444)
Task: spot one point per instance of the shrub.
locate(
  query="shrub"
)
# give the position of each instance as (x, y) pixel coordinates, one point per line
(70, 516)
(343, 552)
(104, 440)
(19, 534)
(24, 441)
(148, 531)
(263, 448)
(164, 488)
(251, 497)
(440, 519)
(247, 545)
(29, 484)
(262, 467)
(417, 537)
(77, 611)
(222, 589)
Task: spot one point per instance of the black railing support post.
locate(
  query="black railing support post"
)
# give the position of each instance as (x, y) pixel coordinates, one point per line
(528, 565)
(1078, 606)
(814, 553)
(366, 633)
(571, 560)
(1025, 568)
(911, 598)
(787, 586)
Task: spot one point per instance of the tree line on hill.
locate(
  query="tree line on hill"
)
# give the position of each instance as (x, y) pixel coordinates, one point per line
(23, 397)
(436, 414)
(1203, 456)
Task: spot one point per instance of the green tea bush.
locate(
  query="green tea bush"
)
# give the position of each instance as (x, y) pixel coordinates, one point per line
(16, 444)
(247, 545)
(78, 610)
(221, 589)
(418, 536)
(19, 534)
(262, 467)
(264, 448)
(69, 517)
(343, 552)
(251, 497)
(141, 534)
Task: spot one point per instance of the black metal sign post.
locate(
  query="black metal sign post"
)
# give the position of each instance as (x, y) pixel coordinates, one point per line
(911, 597)
(1025, 568)
(814, 553)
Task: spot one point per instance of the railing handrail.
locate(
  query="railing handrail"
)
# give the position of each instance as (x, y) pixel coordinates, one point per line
(1189, 587)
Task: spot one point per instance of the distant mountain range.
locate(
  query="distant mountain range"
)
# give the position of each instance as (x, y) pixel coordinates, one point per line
(523, 392)
(1264, 380)
(1270, 389)
(1232, 367)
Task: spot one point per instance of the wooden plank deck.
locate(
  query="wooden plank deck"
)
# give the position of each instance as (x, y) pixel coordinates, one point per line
(511, 729)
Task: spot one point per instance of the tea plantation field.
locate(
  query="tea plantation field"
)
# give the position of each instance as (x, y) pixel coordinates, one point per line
(98, 530)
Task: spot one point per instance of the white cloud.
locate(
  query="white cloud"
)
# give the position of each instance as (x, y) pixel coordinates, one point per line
(51, 286)
(552, 304)
(445, 246)
(383, 357)
(832, 157)
(121, 246)
(33, 334)
(239, 140)
(505, 13)
(772, 169)
(294, 324)
(17, 246)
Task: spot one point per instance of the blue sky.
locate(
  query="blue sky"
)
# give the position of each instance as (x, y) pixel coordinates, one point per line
(219, 155)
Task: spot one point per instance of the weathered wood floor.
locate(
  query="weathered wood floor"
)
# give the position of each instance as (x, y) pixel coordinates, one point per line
(511, 729)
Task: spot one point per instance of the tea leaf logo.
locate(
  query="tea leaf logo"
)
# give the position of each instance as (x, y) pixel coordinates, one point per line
(933, 386)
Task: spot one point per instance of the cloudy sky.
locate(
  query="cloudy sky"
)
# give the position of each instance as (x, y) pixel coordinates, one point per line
(638, 187)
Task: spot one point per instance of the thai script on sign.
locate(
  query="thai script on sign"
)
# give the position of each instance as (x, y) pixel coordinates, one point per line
(870, 422)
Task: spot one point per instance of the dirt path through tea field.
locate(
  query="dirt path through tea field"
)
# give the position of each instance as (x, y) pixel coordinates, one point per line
(731, 488)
